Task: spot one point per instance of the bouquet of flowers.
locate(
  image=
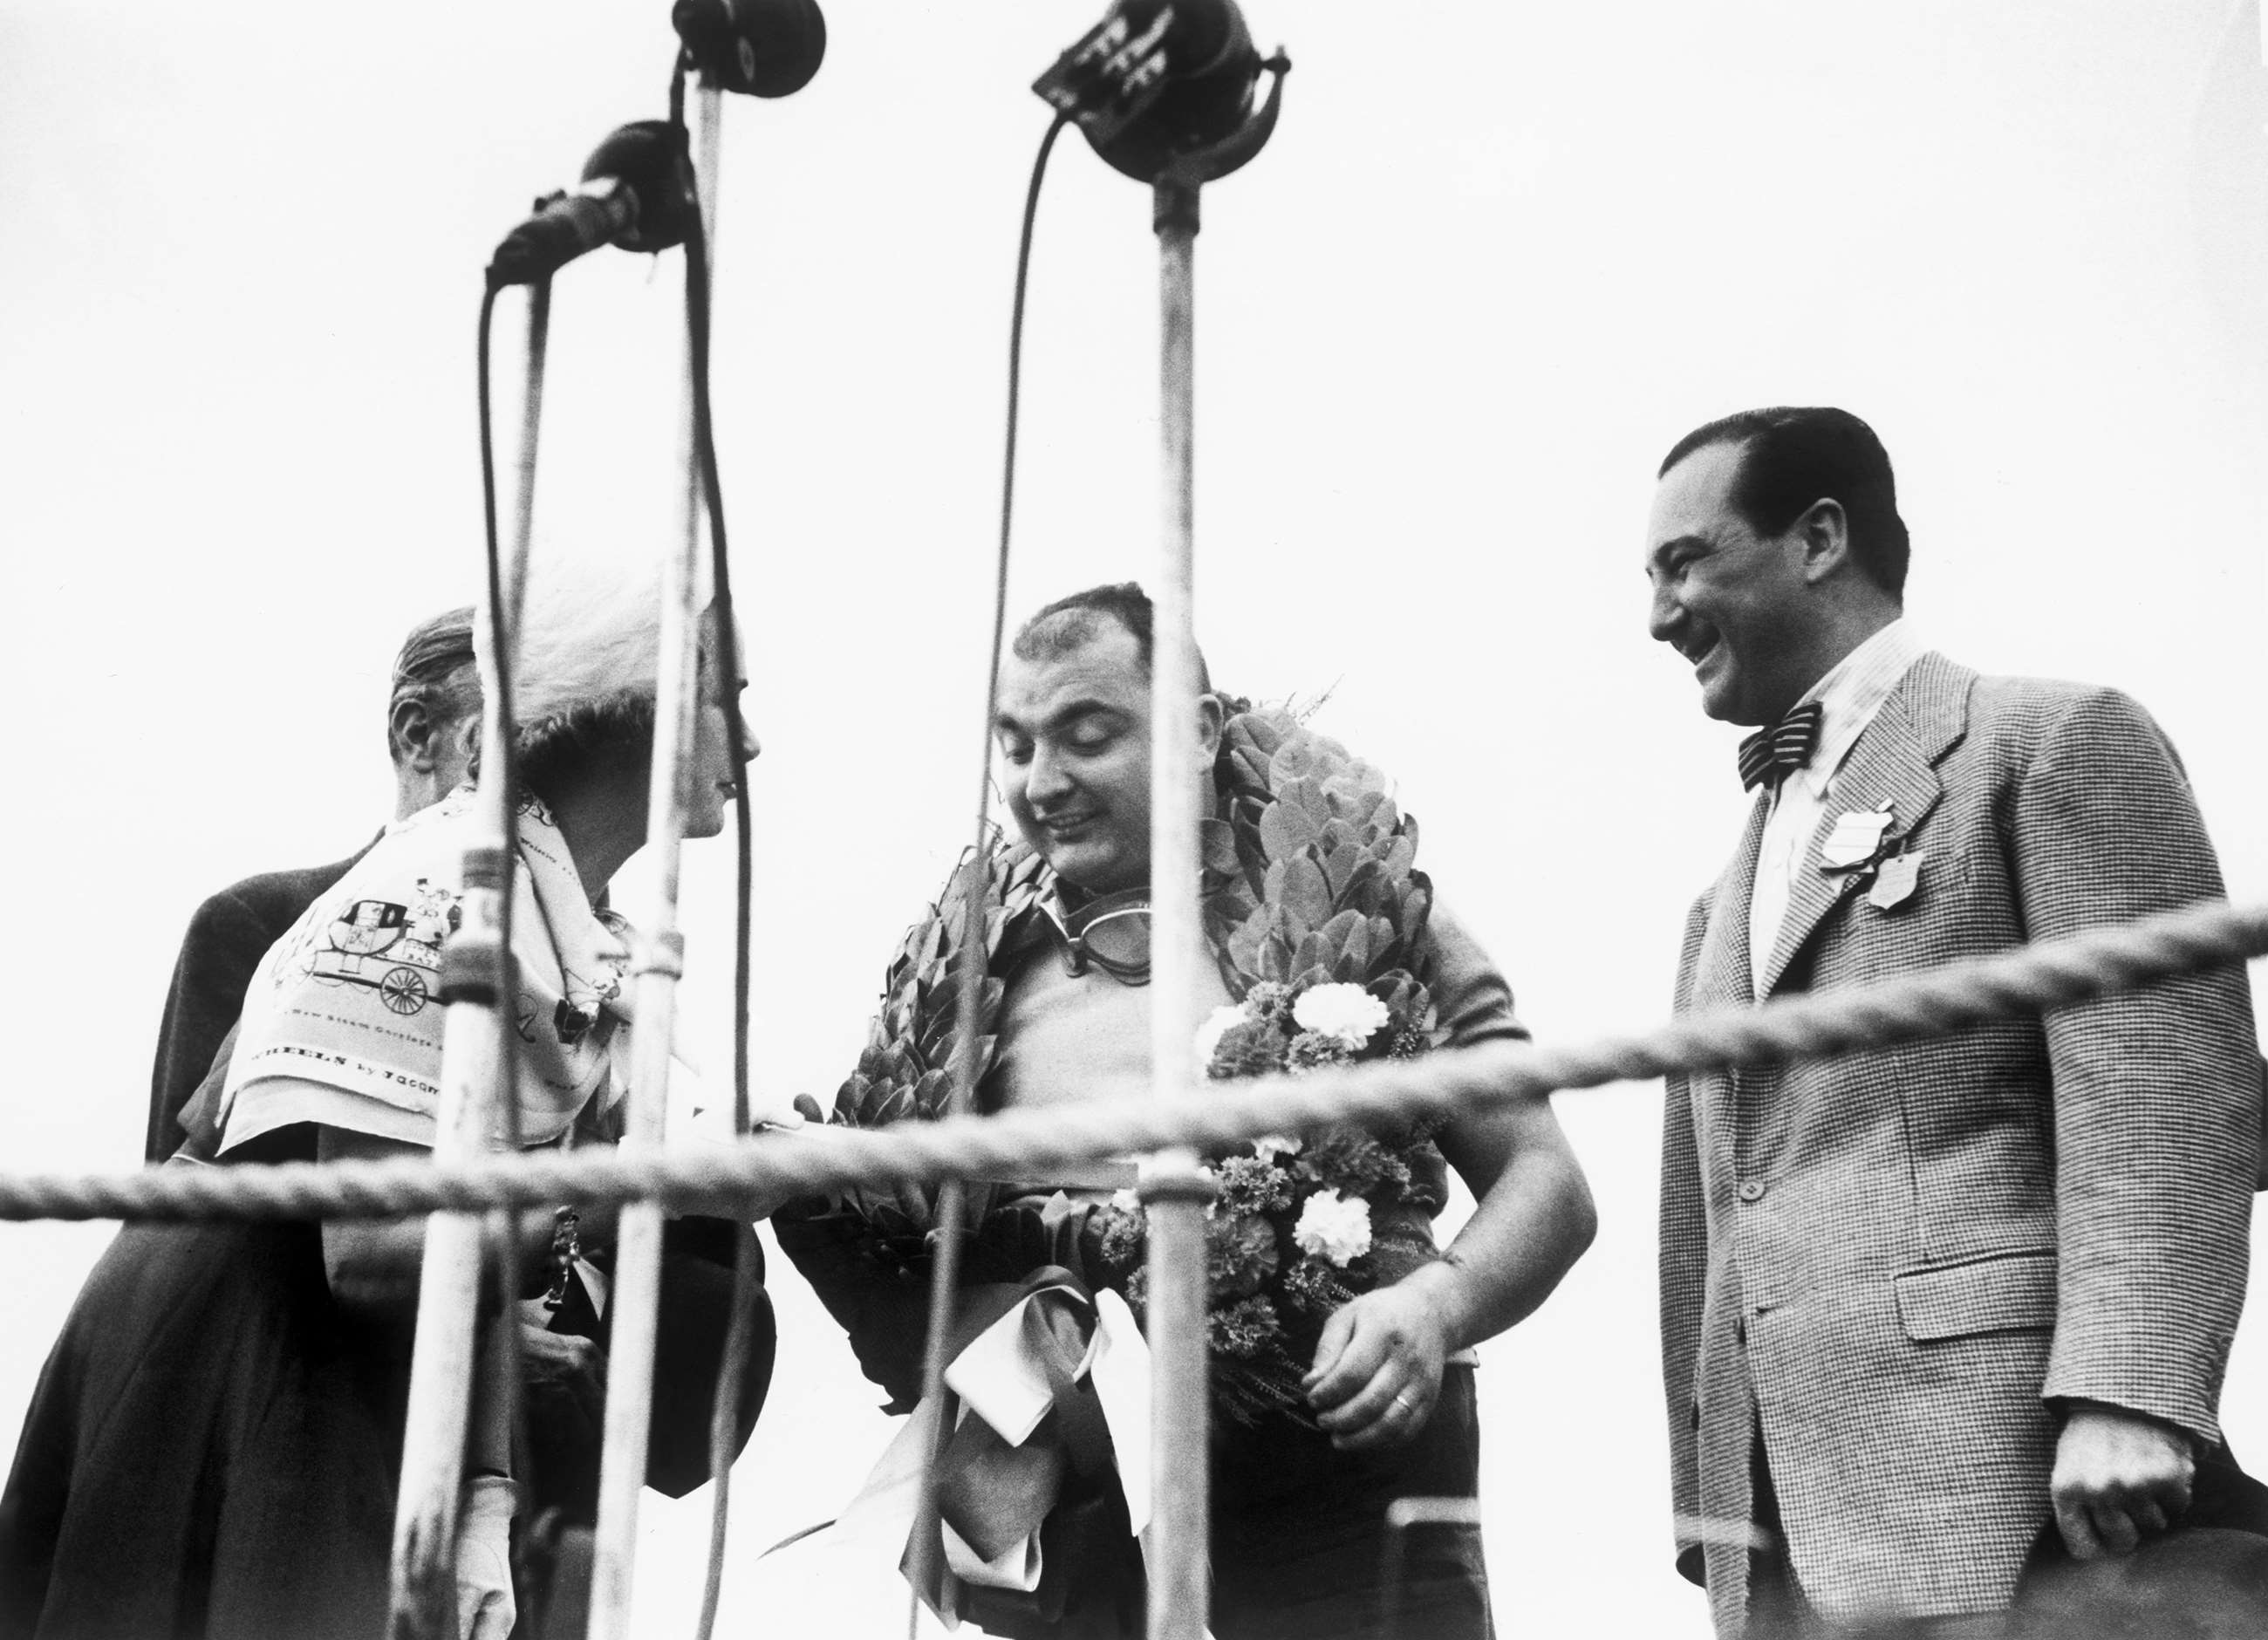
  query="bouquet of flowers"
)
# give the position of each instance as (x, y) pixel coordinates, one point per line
(1299, 1227)
(1319, 913)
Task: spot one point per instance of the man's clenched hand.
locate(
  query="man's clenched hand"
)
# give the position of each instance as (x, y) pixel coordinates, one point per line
(2119, 1476)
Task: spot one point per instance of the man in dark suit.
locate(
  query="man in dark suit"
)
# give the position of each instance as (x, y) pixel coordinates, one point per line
(432, 722)
(1947, 1323)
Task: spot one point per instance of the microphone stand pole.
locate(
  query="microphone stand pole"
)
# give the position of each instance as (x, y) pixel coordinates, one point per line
(1174, 153)
(502, 1378)
(1174, 1188)
(477, 1107)
(659, 964)
(530, 418)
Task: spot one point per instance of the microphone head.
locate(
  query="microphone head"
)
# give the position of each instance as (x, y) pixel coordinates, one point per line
(648, 157)
(1157, 79)
(760, 48)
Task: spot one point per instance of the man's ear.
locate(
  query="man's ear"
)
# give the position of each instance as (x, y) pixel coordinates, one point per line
(1825, 529)
(1211, 716)
(410, 727)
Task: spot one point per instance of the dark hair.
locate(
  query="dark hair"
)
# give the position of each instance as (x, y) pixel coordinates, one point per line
(1792, 457)
(1071, 623)
(435, 669)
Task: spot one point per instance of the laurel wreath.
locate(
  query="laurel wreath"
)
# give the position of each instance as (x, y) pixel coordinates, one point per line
(1311, 879)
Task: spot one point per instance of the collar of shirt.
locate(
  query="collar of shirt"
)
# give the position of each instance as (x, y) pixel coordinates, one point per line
(1852, 693)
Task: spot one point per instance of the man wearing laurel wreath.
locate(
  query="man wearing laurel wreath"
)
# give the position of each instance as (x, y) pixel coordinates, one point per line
(1340, 1335)
(1944, 1325)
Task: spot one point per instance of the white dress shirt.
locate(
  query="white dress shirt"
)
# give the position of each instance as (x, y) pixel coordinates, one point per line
(1851, 693)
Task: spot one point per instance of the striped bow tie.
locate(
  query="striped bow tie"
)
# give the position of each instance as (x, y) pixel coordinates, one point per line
(1769, 755)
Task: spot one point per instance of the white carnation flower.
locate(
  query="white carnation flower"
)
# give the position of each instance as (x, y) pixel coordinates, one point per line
(1269, 1146)
(1216, 1025)
(1346, 1012)
(1126, 1201)
(1333, 1228)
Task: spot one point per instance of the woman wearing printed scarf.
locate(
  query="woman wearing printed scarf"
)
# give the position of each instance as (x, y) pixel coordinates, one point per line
(213, 1448)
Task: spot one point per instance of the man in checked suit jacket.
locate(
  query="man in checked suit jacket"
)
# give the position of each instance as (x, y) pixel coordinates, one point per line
(1947, 1322)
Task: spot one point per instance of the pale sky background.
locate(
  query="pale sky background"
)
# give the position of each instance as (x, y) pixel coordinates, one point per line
(1496, 261)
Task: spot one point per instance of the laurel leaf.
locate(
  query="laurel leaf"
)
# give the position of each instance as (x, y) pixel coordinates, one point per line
(1356, 804)
(1276, 960)
(1245, 943)
(1260, 731)
(1216, 845)
(1292, 759)
(1304, 895)
(1367, 889)
(1308, 794)
(932, 1092)
(1286, 829)
(1350, 931)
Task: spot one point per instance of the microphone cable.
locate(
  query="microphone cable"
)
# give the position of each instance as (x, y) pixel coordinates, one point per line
(747, 1287)
(977, 881)
(501, 760)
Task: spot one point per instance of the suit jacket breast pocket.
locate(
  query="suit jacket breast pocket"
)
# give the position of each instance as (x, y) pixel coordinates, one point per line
(2003, 1292)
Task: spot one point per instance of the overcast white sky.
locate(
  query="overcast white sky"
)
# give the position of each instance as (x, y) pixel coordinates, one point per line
(1497, 259)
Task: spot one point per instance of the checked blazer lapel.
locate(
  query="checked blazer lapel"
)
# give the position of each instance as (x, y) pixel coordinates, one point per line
(1893, 767)
(1723, 970)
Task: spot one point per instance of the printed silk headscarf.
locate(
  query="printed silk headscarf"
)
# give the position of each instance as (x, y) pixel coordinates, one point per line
(342, 1022)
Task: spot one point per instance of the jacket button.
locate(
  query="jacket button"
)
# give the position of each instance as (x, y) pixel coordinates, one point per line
(1752, 1190)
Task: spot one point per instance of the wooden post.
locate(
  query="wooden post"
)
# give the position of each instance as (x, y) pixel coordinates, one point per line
(1172, 1185)
(658, 963)
(476, 1072)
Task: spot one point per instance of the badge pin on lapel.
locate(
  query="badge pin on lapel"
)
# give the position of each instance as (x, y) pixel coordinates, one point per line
(1895, 880)
(1855, 840)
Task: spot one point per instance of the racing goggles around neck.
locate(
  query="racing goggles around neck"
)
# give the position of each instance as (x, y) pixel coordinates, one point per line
(1112, 931)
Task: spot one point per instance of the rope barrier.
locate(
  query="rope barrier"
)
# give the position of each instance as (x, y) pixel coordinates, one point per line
(1025, 1144)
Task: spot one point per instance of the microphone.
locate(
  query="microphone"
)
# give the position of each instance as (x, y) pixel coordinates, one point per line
(636, 192)
(759, 48)
(1157, 79)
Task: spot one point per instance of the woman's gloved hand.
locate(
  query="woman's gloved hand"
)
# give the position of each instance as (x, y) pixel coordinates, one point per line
(485, 1608)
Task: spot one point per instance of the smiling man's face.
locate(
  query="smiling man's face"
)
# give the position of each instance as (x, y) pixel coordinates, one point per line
(1074, 735)
(1732, 602)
